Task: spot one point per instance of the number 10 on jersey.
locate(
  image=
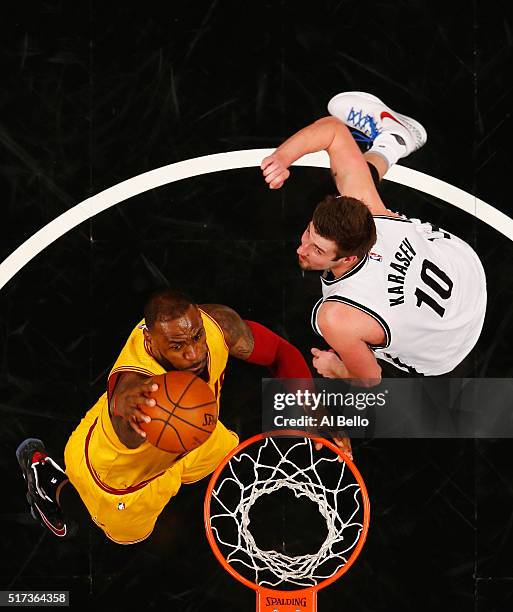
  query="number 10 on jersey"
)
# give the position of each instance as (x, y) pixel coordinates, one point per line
(438, 281)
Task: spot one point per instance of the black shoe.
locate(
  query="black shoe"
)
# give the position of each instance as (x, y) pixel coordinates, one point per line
(42, 476)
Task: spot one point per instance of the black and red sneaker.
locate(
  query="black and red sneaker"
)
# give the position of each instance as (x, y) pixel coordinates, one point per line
(43, 476)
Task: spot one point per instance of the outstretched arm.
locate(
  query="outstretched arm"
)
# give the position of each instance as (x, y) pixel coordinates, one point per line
(257, 344)
(349, 168)
(349, 333)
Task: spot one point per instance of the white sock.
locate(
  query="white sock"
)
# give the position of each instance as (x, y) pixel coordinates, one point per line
(390, 146)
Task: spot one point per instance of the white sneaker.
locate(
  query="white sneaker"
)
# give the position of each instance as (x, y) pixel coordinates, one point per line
(368, 114)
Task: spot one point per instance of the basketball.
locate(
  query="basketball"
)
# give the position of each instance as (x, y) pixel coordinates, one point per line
(185, 413)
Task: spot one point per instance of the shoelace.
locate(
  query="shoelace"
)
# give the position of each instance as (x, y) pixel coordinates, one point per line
(364, 123)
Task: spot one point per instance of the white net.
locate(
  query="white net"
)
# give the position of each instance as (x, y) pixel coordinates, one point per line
(293, 464)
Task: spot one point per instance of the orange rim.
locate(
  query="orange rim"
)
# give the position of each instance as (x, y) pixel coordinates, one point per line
(281, 434)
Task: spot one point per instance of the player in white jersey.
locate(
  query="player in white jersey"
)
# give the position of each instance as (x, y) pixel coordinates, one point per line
(393, 288)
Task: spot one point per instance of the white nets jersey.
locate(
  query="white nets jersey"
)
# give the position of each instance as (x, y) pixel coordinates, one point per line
(424, 286)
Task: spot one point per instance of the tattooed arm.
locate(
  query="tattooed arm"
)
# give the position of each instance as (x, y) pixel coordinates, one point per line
(257, 344)
(237, 333)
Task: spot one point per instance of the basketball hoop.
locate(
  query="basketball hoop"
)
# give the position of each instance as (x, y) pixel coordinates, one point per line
(286, 460)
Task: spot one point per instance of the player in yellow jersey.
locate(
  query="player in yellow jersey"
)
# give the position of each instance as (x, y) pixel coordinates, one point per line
(123, 481)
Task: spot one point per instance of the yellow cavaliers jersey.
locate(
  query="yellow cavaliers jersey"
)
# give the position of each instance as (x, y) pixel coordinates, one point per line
(116, 468)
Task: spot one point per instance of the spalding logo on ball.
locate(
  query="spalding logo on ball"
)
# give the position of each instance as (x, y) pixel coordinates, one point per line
(185, 413)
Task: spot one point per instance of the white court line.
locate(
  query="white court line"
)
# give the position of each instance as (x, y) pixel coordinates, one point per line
(230, 161)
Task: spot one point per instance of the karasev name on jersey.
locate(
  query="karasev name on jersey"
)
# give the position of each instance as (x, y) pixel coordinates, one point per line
(404, 256)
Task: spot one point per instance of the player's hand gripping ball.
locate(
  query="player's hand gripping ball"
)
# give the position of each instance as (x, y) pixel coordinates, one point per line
(185, 413)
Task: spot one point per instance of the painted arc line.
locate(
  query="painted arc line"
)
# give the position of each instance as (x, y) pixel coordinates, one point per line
(218, 162)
